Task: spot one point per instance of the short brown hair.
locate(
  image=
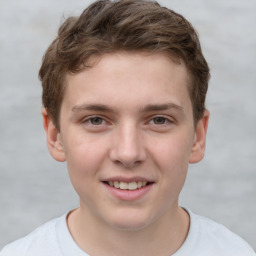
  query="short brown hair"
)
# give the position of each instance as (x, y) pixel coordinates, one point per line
(129, 25)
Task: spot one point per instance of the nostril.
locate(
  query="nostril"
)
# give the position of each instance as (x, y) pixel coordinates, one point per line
(128, 150)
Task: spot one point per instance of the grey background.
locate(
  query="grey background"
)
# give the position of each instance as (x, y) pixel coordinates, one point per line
(34, 188)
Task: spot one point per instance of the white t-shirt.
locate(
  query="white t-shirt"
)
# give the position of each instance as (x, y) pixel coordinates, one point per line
(205, 238)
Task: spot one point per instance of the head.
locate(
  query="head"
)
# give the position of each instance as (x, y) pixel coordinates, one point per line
(126, 25)
(124, 88)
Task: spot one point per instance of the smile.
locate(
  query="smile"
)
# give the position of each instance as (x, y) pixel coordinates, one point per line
(127, 185)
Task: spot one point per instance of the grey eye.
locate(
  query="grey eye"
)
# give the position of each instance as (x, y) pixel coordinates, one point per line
(96, 120)
(159, 120)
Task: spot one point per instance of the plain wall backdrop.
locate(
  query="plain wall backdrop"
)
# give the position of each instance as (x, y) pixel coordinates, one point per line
(34, 188)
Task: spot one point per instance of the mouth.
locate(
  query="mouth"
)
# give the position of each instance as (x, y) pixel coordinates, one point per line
(134, 185)
(128, 189)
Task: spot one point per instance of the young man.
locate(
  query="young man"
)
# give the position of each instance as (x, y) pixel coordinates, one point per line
(124, 87)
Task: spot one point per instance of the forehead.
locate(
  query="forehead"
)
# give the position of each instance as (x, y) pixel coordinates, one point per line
(132, 77)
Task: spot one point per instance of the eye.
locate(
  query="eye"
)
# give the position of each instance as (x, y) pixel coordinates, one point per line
(95, 120)
(160, 123)
(95, 123)
(159, 120)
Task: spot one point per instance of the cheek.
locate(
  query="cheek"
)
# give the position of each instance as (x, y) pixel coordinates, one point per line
(172, 151)
(171, 156)
(84, 159)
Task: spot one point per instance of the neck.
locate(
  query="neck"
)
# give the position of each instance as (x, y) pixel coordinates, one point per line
(164, 237)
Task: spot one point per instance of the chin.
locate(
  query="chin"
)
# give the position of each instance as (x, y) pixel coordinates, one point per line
(131, 221)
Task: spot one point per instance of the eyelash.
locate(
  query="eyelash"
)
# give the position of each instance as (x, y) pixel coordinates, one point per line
(166, 120)
(101, 122)
(90, 119)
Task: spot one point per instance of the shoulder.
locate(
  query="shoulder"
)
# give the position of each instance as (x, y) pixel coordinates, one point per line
(42, 241)
(211, 238)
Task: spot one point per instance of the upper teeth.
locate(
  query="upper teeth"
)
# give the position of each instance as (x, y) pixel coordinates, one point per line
(127, 185)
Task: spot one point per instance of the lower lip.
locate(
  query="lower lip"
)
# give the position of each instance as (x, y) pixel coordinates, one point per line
(129, 195)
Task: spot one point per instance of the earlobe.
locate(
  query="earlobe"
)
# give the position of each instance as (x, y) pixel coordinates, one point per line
(54, 141)
(198, 148)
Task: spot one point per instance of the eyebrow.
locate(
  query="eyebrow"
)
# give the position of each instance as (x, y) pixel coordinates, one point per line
(161, 107)
(92, 107)
(147, 108)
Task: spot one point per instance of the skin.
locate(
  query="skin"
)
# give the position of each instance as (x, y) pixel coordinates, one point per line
(128, 117)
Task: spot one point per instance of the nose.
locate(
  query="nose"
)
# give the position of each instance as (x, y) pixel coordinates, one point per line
(128, 147)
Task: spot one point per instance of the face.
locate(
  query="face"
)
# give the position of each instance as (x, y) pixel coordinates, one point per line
(127, 134)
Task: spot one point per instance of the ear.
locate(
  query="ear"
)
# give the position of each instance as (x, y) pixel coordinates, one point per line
(198, 148)
(54, 141)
